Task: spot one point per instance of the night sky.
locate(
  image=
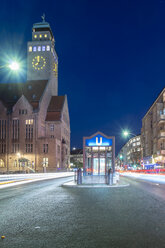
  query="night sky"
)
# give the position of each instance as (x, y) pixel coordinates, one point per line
(111, 57)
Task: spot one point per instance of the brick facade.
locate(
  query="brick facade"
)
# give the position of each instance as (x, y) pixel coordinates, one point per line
(34, 120)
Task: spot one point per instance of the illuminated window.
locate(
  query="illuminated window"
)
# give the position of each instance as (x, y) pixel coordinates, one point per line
(39, 48)
(34, 49)
(30, 48)
(29, 122)
(2, 164)
(45, 35)
(40, 35)
(43, 48)
(45, 162)
(35, 36)
(47, 48)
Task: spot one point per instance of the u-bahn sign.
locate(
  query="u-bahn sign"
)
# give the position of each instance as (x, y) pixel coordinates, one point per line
(98, 140)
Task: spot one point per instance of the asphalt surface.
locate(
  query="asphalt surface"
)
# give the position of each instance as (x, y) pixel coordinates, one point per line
(44, 214)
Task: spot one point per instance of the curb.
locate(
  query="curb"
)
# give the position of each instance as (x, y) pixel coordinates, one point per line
(69, 185)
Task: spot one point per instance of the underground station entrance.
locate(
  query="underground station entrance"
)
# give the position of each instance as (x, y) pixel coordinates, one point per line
(98, 159)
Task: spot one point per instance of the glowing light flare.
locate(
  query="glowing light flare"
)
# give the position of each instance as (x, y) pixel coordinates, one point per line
(125, 133)
(14, 66)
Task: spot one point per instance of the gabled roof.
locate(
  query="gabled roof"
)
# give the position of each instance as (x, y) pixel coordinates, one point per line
(55, 108)
(32, 90)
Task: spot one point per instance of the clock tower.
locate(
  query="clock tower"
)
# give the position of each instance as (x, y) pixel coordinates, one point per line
(42, 60)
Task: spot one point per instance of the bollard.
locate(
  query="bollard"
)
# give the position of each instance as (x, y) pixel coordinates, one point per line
(79, 176)
(110, 177)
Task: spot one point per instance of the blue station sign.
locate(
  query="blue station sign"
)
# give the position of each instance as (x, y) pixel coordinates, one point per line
(98, 140)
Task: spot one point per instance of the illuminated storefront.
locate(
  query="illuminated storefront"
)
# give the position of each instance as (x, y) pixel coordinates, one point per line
(98, 154)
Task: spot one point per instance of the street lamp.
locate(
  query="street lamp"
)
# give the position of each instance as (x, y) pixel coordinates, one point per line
(127, 133)
(13, 66)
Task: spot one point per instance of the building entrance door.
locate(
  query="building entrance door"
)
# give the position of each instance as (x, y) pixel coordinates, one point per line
(95, 166)
(102, 166)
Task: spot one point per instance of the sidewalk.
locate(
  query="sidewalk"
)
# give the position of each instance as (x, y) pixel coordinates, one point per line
(73, 184)
(17, 179)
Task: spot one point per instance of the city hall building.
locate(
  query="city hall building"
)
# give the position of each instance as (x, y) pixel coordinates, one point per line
(34, 119)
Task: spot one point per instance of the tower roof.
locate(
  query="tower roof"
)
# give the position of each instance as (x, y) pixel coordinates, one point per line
(42, 26)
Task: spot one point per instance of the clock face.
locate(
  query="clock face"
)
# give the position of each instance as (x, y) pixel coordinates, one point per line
(55, 69)
(38, 62)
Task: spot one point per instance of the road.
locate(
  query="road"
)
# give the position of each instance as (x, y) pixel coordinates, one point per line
(43, 214)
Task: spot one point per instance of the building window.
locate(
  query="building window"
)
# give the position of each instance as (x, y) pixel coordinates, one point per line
(45, 162)
(3, 148)
(45, 148)
(15, 148)
(51, 127)
(22, 111)
(35, 36)
(29, 148)
(45, 35)
(47, 48)
(34, 49)
(29, 129)
(15, 129)
(30, 121)
(39, 48)
(40, 35)
(2, 164)
(43, 48)
(2, 129)
(30, 48)
(51, 136)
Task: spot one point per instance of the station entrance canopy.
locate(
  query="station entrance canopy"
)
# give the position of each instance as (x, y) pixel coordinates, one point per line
(98, 154)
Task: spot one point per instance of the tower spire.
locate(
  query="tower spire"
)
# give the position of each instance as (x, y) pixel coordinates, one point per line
(43, 17)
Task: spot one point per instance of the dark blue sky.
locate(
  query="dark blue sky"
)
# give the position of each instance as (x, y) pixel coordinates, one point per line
(111, 57)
